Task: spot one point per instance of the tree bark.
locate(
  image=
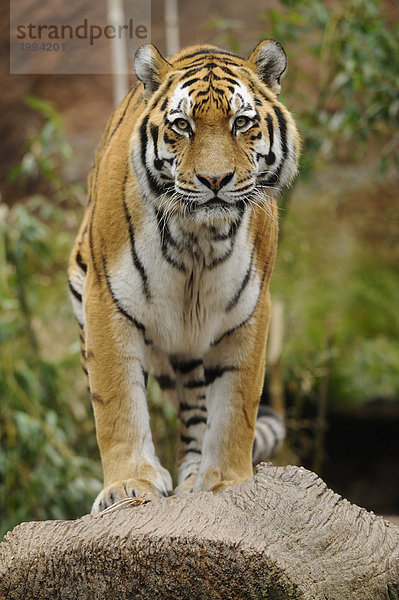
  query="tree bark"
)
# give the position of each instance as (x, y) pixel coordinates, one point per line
(280, 535)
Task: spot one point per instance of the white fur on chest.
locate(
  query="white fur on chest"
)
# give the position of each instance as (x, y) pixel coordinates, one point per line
(187, 310)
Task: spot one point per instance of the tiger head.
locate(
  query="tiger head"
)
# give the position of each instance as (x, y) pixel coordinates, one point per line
(214, 136)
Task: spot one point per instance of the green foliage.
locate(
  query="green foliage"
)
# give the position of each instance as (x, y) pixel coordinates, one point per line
(345, 80)
(46, 151)
(46, 429)
(338, 286)
(227, 32)
(340, 300)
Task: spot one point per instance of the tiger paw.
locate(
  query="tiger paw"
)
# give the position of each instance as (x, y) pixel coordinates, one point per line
(187, 486)
(211, 480)
(119, 490)
(223, 485)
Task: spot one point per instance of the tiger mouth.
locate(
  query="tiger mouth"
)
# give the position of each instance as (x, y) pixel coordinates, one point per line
(215, 202)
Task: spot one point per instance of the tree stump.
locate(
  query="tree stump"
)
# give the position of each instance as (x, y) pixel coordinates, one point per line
(280, 535)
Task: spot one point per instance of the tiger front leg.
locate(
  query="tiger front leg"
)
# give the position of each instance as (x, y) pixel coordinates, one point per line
(191, 391)
(234, 371)
(116, 363)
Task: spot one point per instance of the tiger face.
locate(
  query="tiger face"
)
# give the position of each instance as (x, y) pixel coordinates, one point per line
(214, 137)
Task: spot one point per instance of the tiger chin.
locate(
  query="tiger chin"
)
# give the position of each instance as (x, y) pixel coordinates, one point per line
(170, 272)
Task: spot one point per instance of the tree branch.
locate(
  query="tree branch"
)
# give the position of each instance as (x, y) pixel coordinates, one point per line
(280, 535)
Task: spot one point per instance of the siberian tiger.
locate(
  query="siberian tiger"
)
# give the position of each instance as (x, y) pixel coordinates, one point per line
(170, 271)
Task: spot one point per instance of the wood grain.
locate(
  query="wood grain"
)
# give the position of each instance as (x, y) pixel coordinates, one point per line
(280, 535)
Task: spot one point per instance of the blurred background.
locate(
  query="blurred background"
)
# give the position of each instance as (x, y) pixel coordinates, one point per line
(333, 369)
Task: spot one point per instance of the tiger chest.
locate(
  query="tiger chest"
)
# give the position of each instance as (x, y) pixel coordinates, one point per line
(187, 295)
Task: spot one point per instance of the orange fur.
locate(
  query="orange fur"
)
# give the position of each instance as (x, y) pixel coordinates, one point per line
(123, 330)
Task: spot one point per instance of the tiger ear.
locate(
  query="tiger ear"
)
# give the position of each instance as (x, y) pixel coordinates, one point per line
(269, 62)
(150, 67)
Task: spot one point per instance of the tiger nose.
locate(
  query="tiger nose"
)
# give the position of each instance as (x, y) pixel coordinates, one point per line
(215, 182)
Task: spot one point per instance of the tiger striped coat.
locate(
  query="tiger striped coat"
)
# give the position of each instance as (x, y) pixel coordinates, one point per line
(170, 271)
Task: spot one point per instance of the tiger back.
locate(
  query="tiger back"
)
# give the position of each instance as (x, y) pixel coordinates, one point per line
(170, 271)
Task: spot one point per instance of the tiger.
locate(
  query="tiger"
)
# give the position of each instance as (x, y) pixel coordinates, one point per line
(169, 274)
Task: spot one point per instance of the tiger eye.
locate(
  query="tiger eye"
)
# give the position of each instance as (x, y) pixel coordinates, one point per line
(182, 124)
(241, 121)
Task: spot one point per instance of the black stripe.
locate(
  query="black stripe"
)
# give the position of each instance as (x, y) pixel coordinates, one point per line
(202, 62)
(165, 382)
(233, 329)
(266, 411)
(217, 91)
(160, 94)
(219, 237)
(75, 292)
(256, 90)
(91, 244)
(195, 383)
(242, 287)
(203, 92)
(190, 81)
(155, 187)
(168, 140)
(212, 65)
(80, 262)
(230, 80)
(144, 139)
(154, 134)
(273, 178)
(194, 450)
(273, 432)
(120, 308)
(191, 71)
(229, 72)
(186, 439)
(166, 239)
(145, 377)
(215, 372)
(189, 190)
(210, 51)
(283, 129)
(136, 261)
(186, 367)
(240, 205)
(97, 398)
(266, 445)
(195, 420)
(221, 259)
(269, 122)
(245, 187)
(257, 136)
(158, 162)
(184, 407)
